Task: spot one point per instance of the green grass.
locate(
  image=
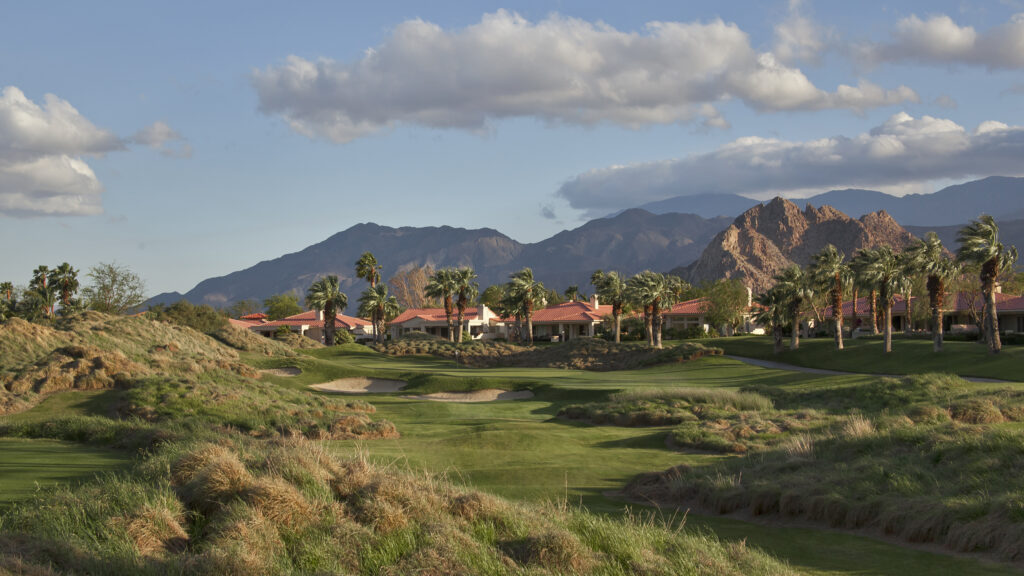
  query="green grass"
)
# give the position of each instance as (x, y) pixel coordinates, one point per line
(865, 355)
(29, 465)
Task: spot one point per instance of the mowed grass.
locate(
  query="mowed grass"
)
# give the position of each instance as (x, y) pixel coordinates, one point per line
(29, 465)
(865, 355)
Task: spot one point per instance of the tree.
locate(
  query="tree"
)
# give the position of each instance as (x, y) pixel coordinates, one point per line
(43, 290)
(795, 289)
(726, 301)
(375, 303)
(831, 274)
(858, 266)
(572, 293)
(611, 289)
(245, 308)
(325, 294)
(114, 289)
(929, 256)
(7, 291)
(526, 293)
(368, 269)
(442, 286)
(980, 245)
(64, 280)
(7, 300)
(408, 287)
(771, 313)
(887, 272)
(466, 290)
(491, 296)
(654, 293)
(281, 306)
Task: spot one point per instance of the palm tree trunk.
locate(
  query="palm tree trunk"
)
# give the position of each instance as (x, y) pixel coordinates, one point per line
(329, 327)
(618, 326)
(649, 326)
(777, 333)
(989, 271)
(837, 311)
(462, 315)
(936, 292)
(936, 329)
(853, 313)
(657, 328)
(907, 329)
(873, 310)
(529, 329)
(888, 327)
(794, 338)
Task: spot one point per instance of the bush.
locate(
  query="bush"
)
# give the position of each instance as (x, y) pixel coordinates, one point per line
(344, 337)
(466, 337)
(201, 318)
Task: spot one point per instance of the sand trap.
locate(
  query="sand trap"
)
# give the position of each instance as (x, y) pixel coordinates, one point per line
(488, 395)
(287, 371)
(361, 386)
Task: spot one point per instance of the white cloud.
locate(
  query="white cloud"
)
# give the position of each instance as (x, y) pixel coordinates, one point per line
(897, 154)
(939, 40)
(798, 38)
(559, 70)
(159, 136)
(41, 170)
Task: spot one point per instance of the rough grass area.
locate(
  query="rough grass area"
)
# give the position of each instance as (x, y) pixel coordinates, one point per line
(287, 507)
(92, 351)
(928, 459)
(579, 354)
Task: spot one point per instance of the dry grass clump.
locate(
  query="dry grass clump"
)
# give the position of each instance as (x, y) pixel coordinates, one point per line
(248, 341)
(555, 550)
(297, 342)
(858, 426)
(243, 542)
(279, 501)
(976, 411)
(220, 479)
(156, 530)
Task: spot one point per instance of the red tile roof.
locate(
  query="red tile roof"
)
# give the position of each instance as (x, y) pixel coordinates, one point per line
(571, 312)
(242, 323)
(308, 318)
(959, 302)
(254, 316)
(432, 315)
(689, 308)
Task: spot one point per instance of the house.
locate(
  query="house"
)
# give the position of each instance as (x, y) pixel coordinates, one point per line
(693, 314)
(960, 311)
(479, 321)
(567, 321)
(311, 325)
(863, 318)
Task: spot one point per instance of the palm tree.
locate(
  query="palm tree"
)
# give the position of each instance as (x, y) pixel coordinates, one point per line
(527, 293)
(376, 304)
(832, 274)
(980, 245)
(772, 313)
(442, 286)
(40, 285)
(572, 293)
(325, 294)
(64, 280)
(466, 290)
(654, 293)
(886, 271)
(641, 293)
(859, 265)
(930, 258)
(611, 288)
(7, 291)
(796, 289)
(368, 269)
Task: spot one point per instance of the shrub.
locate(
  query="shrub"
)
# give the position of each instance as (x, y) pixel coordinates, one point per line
(344, 337)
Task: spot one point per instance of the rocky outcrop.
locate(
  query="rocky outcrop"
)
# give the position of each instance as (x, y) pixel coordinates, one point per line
(768, 238)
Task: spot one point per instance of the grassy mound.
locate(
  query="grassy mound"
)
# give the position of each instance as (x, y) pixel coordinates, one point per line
(929, 459)
(580, 353)
(248, 341)
(246, 507)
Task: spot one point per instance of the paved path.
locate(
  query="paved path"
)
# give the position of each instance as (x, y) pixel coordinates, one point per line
(792, 368)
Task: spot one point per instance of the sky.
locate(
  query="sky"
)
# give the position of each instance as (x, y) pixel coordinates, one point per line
(188, 140)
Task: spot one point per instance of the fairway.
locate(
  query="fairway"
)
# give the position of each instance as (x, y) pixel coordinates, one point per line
(30, 465)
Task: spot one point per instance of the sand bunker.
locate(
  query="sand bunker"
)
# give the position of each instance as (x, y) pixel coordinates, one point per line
(287, 371)
(361, 386)
(488, 395)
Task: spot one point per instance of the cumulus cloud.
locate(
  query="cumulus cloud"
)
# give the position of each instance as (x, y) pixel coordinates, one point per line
(159, 136)
(798, 38)
(559, 70)
(41, 170)
(939, 40)
(902, 151)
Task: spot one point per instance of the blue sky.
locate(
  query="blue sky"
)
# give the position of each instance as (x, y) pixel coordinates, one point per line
(189, 140)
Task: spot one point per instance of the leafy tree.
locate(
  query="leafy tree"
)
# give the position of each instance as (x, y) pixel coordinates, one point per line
(281, 306)
(611, 289)
(491, 296)
(368, 269)
(375, 303)
(772, 314)
(408, 287)
(831, 274)
(572, 294)
(8, 303)
(929, 256)
(526, 293)
(245, 308)
(980, 245)
(887, 272)
(726, 302)
(183, 313)
(325, 294)
(442, 286)
(795, 289)
(7, 291)
(114, 289)
(466, 290)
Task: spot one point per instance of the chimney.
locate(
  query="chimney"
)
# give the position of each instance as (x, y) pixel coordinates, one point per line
(998, 288)
(750, 297)
(318, 315)
(594, 303)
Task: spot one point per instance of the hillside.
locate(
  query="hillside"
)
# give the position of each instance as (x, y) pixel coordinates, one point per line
(771, 237)
(630, 242)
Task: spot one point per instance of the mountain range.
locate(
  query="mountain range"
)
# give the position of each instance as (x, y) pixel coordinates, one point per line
(669, 235)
